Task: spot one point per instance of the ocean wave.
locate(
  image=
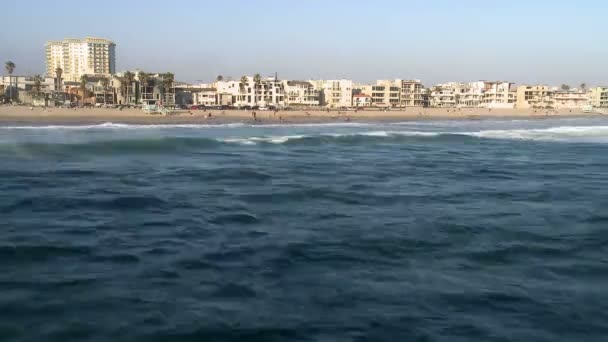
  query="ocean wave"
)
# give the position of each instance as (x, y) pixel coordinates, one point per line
(167, 143)
(561, 133)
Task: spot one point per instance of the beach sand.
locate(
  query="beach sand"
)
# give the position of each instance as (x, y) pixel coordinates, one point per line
(38, 115)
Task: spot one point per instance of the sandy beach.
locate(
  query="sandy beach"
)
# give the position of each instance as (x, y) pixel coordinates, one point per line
(38, 115)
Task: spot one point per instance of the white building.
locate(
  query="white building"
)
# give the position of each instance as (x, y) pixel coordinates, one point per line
(335, 93)
(469, 95)
(443, 95)
(413, 94)
(269, 92)
(301, 93)
(205, 97)
(499, 95)
(76, 57)
(362, 100)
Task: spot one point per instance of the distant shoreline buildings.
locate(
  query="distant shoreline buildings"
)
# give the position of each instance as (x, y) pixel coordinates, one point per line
(84, 71)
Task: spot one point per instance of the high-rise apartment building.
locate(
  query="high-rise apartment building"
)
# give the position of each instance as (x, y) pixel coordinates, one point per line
(76, 57)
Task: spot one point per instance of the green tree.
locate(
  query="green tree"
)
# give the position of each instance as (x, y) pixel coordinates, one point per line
(257, 79)
(58, 74)
(565, 87)
(219, 78)
(167, 83)
(243, 85)
(105, 85)
(10, 67)
(83, 86)
(129, 78)
(583, 86)
(144, 80)
(37, 87)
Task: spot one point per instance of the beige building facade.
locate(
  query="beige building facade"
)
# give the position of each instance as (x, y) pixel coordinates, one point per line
(335, 93)
(534, 96)
(76, 57)
(598, 97)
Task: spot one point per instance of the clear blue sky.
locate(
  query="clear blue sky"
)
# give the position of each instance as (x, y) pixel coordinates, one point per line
(526, 41)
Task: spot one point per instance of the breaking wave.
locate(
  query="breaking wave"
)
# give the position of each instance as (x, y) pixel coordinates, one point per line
(164, 143)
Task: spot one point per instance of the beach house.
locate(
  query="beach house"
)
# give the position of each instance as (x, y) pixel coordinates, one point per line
(570, 99)
(301, 93)
(499, 95)
(334, 93)
(598, 97)
(413, 94)
(534, 96)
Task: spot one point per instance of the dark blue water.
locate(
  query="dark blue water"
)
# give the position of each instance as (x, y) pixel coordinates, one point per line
(444, 231)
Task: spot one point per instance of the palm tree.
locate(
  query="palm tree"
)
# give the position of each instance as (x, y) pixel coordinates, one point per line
(37, 87)
(129, 79)
(105, 84)
(83, 86)
(243, 86)
(167, 83)
(10, 67)
(144, 79)
(58, 73)
(219, 78)
(257, 79)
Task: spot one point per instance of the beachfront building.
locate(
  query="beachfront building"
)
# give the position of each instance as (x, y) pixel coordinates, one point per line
(499, 95)
(335, 93)
(22, 88)
(301, 93)
(268, 92)
(385, 93)
(362, 100)
(570, 99)
(538, 96)
(598, 97)
(76, 57)
(468, 95)
(443, 95)
(413, 94)
(205, 96)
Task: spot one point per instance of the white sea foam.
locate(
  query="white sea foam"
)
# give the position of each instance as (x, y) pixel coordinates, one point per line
(562, 133)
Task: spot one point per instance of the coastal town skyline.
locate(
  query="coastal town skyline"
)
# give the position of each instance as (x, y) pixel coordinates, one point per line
(467, 41)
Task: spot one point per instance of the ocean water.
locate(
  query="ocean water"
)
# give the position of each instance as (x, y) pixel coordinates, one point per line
(430, 231)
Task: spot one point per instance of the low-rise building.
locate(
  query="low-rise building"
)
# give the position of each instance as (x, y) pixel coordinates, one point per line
(335, 93)
(413, 94)
(538, 96)
(499, 95)
(301, 93)
(443, 95)
(205, 97)
(385, 93)
(22, 88)
(268, 92)
(570, 99)
(469, 95)
(598, 97)
(362, 100)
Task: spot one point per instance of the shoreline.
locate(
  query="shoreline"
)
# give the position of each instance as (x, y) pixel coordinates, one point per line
(19, 115)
